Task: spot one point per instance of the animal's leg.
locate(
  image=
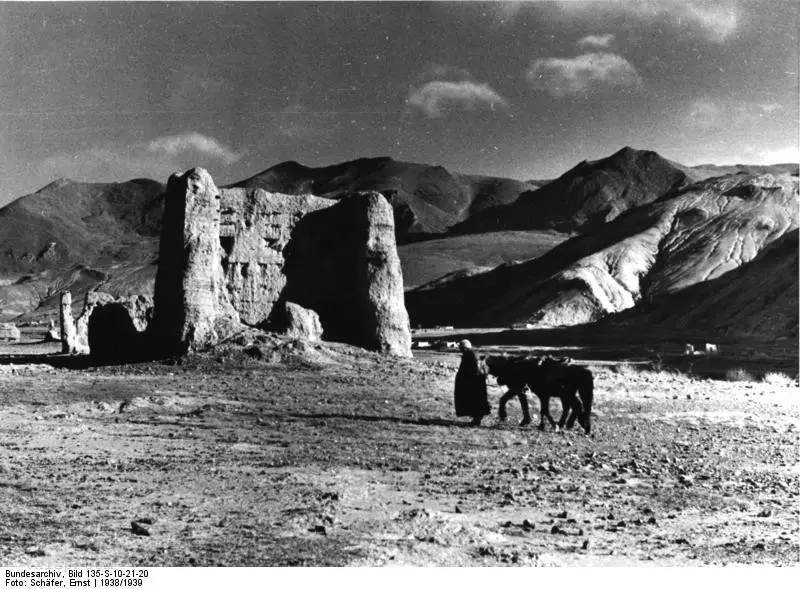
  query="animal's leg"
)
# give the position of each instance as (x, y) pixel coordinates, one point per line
(569, 397)
(585, 420)
(565, 412)
(526, 414)
(501, 411)
(545, 413)
(577, 412)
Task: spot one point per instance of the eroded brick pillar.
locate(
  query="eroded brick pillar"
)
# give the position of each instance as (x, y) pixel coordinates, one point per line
(68, 333)
(192, 310)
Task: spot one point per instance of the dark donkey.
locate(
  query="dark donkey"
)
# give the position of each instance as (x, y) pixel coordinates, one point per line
(545, 377)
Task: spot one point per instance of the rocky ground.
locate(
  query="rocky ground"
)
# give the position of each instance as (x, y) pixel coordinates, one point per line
(339, 457)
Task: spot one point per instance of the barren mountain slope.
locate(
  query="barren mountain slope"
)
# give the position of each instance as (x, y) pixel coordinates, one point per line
(689, 237)
(426, 199)
(77, 235)
(77, 222)
(760, 299)
(588, 195)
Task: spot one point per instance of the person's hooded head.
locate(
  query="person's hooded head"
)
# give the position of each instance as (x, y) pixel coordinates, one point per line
(464, 345)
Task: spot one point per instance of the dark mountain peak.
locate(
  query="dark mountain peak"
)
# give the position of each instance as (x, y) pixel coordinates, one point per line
(383, 159)
(626, 152)
(630, 156)
(588, 195)
(287, 166)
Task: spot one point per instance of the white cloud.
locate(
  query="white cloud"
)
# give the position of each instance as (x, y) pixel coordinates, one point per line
(782, 155)
(769, 107)
(725, 154)
(437, 97)
(716, 21)
(155, 159)
(562, 76)
(298, 123)
(596, 41)
(193, 142)
(705, 113)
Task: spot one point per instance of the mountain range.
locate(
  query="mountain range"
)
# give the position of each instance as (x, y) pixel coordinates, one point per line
(609, 238)
(691, 236)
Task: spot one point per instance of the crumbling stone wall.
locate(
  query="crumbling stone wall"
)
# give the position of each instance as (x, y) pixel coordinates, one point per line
(192, 308)
(342, 262)
(235, 257)
(255, 228)
(113, 327)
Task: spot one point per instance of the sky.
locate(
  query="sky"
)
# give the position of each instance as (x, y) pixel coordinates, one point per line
(113, 91)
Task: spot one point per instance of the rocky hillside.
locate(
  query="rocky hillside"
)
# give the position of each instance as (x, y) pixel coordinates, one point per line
(78, 235)
(588, 195)
(69, 222)
(426, 199)
(757, 299)
(688, 237)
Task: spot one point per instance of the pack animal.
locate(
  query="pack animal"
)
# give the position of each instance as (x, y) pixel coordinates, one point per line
(545, 377)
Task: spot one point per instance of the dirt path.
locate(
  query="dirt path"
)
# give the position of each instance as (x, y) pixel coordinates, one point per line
(359, 462)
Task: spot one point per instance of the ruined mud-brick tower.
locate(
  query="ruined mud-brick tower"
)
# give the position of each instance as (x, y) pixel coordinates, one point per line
(235, 257)
(192, 309)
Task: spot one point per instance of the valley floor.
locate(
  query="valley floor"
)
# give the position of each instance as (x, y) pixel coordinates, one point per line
(352, 459)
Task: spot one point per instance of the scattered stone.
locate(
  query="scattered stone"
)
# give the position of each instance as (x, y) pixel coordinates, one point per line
(458, 509)
(139, 529)
(765, 513)
(302, 323)
(35, 551)
(319, 529)
(585, 545)
(528, 525)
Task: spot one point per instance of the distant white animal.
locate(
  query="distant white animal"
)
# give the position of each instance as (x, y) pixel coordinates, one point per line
(688, 350)
(712, 349)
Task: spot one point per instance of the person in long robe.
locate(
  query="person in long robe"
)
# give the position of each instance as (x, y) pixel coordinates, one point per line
(471, 398)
